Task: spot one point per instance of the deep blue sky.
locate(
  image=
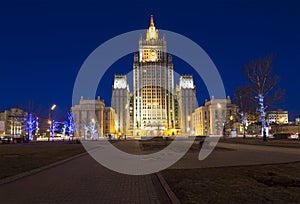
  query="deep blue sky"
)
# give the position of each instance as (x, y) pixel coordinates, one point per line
(43, 43)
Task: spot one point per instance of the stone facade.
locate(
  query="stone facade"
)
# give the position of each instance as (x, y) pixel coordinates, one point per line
(12, 121)
(215, 117)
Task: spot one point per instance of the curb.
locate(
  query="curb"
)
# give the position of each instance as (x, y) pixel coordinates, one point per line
(167, 189)
(37, 170)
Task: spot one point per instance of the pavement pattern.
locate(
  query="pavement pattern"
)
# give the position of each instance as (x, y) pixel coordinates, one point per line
(83, 180)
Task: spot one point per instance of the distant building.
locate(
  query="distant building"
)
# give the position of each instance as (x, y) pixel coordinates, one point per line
(216, 117)
(187, 103)
(254, 129)
(110, 121)
(131, 114)
(297, 121)
(285, 129)
(42, 128)
(121, 103)
(12, 121)
(277, 117)
(200, 121)
(85, 114)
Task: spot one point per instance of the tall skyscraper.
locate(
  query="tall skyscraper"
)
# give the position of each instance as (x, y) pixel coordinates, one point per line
(153, 84)
(121, 103)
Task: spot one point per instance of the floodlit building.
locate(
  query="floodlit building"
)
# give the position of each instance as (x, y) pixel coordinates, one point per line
(121, 103)
(153, 86)
(297, 121)
(110, 121)
(215, 117)
(187, 103)
(88, 116)
(277, 116)
(200, 121)
(153, 108)
(12, 121)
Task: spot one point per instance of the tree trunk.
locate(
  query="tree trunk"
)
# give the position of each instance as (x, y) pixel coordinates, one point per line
(244, 129)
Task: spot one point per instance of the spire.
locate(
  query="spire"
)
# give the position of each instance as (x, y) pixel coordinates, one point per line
(151, 21)
(152, 33)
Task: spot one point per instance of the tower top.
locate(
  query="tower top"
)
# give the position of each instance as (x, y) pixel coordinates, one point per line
(152, 32)
(151, 21)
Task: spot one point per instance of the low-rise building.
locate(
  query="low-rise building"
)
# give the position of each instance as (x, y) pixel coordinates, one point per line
(88, 117)
(93, 119)
(216, 117)
(285, 129)
(12, 121)
(277, 117)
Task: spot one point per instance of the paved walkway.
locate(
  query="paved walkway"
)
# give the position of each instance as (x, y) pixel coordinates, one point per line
(83, 180)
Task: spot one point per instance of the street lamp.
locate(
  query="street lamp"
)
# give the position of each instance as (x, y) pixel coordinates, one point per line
(49, 118)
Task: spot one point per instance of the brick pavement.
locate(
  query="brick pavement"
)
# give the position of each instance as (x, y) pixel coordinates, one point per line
(83, 180)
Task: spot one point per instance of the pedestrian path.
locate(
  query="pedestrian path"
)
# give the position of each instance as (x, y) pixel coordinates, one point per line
(83, 180)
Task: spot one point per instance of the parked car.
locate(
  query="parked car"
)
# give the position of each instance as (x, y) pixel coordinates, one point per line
(6, 139)
(286, 136)
(294, 136)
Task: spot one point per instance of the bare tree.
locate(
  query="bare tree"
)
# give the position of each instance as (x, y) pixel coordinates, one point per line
(262, 82)
(247, 105)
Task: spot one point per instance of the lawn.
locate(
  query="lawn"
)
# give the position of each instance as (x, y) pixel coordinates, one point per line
(259, 141)
(278, 183)
(18, 158)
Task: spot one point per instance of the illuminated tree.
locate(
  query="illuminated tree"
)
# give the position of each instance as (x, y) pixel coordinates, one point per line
(30, 125)
(93, 129)
(71, 125)
(64, 128)
(246, 103)
(53, 127)
(262, 82)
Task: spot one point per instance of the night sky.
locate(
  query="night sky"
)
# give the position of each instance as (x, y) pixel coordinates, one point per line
(43, 43)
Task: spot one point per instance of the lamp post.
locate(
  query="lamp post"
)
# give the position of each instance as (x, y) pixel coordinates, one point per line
(49, 119)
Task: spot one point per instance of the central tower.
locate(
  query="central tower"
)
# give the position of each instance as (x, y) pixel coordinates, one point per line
(153, 80)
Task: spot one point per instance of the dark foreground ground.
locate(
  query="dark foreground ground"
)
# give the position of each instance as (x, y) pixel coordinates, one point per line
(259, 141)
(18, 158)
(278, 183)
(82, 180)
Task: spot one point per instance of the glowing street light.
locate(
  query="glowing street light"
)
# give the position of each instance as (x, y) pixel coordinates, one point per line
(49, 117)
(53, 107)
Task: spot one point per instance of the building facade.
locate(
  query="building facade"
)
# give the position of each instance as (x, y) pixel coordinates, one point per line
(121, 103)
(278, 117)
(153, 84)
(12, 121)
(187, 102)
(89, 118)
(110, 122)
(215, 117)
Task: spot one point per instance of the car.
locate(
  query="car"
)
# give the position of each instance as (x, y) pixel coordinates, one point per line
(6, 139)
(294, 136)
